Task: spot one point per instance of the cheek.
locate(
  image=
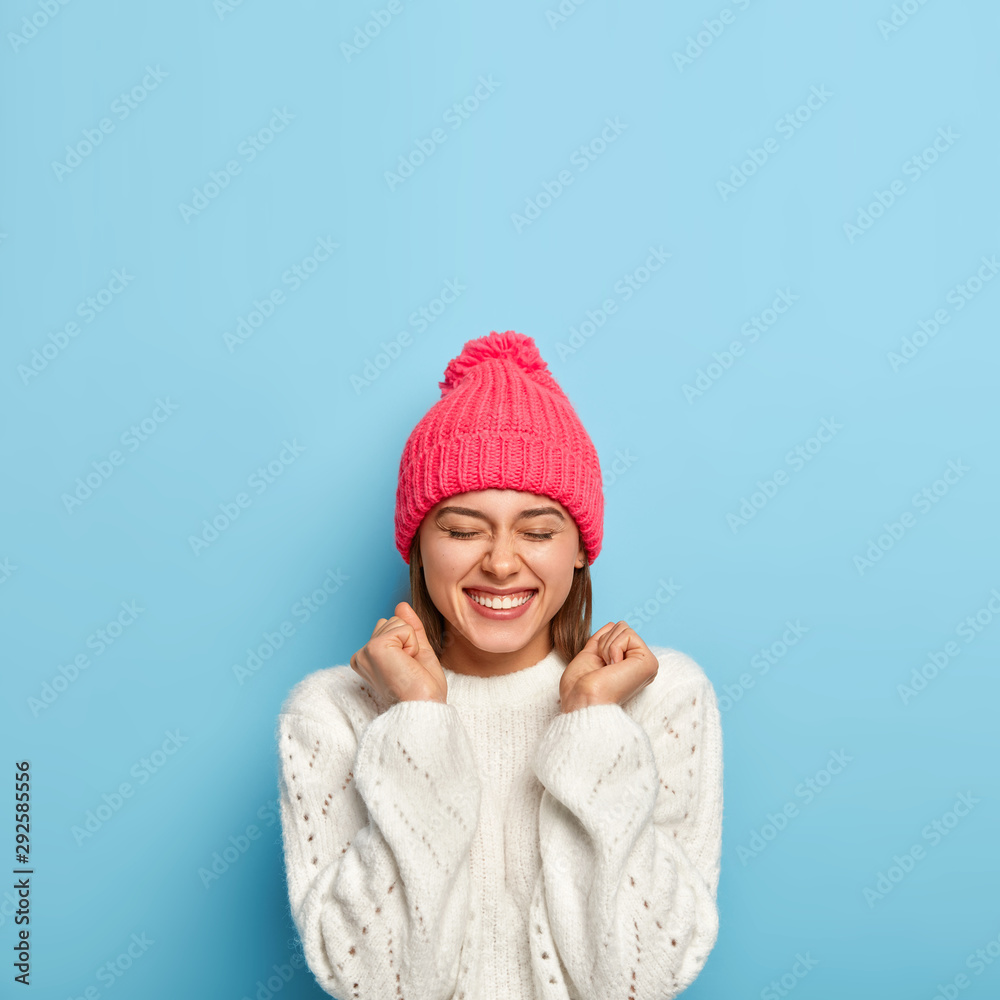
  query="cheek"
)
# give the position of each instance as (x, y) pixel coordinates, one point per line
(443, 567)
(451, 564)
(555, 564)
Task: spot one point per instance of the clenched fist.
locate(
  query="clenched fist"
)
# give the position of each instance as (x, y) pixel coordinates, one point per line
(398, 662)
(614, 665)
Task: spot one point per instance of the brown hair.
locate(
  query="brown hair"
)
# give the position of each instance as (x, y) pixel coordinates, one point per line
(569, 628)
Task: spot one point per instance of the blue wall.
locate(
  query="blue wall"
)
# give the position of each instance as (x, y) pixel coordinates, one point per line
(757, 245)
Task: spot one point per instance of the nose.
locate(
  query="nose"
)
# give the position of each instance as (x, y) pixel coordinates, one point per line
(501, 558)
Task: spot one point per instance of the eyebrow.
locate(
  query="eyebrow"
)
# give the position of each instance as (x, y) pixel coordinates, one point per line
(531, 512)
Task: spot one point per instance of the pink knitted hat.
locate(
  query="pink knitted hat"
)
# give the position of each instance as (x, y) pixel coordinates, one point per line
(502, 422)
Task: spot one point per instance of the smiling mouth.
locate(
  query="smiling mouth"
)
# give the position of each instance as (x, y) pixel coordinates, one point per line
(496, 602)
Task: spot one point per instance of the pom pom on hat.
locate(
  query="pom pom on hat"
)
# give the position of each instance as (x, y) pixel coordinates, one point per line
(512, 346)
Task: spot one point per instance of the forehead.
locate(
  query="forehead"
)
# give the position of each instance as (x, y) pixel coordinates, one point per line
(499, 503)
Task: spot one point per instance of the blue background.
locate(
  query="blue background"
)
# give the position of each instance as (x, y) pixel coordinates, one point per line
(686, 461)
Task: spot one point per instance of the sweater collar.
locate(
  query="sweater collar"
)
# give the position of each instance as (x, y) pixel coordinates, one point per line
(525, 685)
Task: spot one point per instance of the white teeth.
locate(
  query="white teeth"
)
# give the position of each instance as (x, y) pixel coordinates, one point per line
(500, 602)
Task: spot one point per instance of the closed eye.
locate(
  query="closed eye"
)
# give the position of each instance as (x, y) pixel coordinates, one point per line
(538, 535)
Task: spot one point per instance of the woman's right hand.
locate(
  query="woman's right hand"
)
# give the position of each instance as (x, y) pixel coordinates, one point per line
(398, 662)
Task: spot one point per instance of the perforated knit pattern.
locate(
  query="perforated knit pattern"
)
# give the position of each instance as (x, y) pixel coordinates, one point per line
(496, 848)
(502, 422)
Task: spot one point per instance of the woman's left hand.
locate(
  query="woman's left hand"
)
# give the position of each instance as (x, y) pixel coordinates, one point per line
(613, 665)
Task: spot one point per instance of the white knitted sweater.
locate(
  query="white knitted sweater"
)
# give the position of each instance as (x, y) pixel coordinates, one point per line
(494, 848)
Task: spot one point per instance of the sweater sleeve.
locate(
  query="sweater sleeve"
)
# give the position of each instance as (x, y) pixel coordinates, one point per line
(630, 830)
(377, 834)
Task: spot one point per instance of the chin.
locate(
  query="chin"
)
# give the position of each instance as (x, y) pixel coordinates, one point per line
(498, 638)
(509, 644)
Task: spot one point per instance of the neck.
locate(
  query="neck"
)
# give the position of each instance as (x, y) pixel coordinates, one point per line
(463, 657)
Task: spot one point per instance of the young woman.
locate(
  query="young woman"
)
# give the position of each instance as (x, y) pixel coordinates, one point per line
(490, 802)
